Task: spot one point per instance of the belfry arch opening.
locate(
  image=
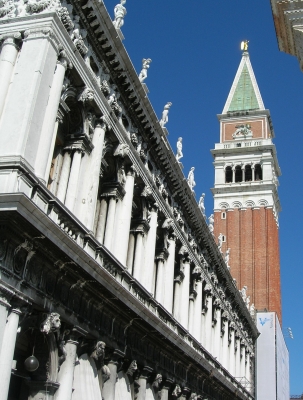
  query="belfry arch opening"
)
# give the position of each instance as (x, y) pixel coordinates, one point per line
(228, 175)
(238, 174)
(258, 172)
(248, 173)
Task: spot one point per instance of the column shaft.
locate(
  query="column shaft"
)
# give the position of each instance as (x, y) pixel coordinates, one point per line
(238, 359)
(4, 306)
(109, 231)
(73, 180)
(197, 312)
(130, 252)
(101, 221)
(48, 133)
(242, 363)
(169, 276)
(225, 349)
(66, 373)
(247, 369)
(217, 334)
(8, 58)
(64, 175)
(191, 314)
(208, 323)
(108, 392)
(123, 223)
(149, 256)
(93, 177)
(184, 298)
(7, 352)
(177, 299)
(160, 282)
(232, 358)
(138, 256)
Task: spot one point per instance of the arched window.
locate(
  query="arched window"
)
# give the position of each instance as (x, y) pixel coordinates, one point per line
(258, 172)
(228, 175)
(238, 174)
(248, 173)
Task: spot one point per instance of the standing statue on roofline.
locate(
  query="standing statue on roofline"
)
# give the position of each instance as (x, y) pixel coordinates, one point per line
(145, 66)
(120, 12)
(179, 154)
(164, 119)
(191, 179)
(201, 204)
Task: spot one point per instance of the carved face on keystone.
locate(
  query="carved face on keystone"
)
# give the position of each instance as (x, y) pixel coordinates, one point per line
(99, 350)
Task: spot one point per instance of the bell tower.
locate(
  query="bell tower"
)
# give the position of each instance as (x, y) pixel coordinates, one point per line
(246, 201)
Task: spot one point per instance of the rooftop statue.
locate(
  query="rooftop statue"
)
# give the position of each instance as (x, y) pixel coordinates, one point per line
(211, 223)
(201, 204)
(120, 12)
(164, 118)
(191, 178)
(227, 257)
(244, 45)
(220, 241)
(145, 66)
(179, 154)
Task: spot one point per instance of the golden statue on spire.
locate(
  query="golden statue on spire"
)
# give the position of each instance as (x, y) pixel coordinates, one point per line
(244, 45)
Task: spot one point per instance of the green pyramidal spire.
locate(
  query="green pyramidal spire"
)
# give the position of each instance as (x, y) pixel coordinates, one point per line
(244, 94)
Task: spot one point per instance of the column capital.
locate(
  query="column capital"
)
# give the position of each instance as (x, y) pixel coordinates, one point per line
(145, 372)
(132, 171)
(115, 356)
(11, 38)
(42, 32)
(64, 60)
(102, 123)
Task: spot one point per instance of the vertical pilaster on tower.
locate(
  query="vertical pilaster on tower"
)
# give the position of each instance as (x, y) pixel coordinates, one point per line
(246, 201)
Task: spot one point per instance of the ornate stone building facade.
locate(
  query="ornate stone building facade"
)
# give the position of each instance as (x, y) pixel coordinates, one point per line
(112, 285)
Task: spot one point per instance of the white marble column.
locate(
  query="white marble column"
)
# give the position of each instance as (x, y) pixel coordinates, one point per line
(108, 392)
(247, 369)
(253, 172)
(217, 331)
(7, 352)
(242, 362)
(73, 179)
(131, 252)
(166, 386)
(48, 134)
(8, 59)
(243, 173)
(160, 280)
(4, 307)
(142, 380)
(232, 356)
(225, 349)
(208, 322)
(64, 175)
(101, 220)
(177, 295)
(191, 309)
(184, 299)
(93, 177)
(234, 174)
(202, 327)
(198, 310)
(169, 273)
(138, 256)
(238, 357)
(109, 230)
(149, 256)
(66, 372)
(122, 227)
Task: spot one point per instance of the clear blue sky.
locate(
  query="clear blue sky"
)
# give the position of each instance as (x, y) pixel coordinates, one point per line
(194, 47)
